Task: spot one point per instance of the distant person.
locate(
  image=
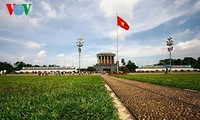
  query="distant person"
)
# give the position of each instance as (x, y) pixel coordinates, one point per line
(166, 70)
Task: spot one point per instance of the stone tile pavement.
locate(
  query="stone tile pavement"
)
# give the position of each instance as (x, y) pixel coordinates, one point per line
(149, 101)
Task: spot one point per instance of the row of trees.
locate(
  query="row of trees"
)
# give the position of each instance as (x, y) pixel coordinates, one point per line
(129, 67)
(18, 66)
(126, 67)
(195, 63)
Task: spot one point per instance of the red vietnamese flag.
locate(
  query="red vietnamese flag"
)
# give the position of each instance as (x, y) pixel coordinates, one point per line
(122, 23)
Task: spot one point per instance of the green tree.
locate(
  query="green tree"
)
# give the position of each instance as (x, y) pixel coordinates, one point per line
(123, 61)
(177, 62)
(131, 66)
(123, 68)
(29, 65)
(91, 69)
(163, 62)
(198, 62)
(190, 61)
(53, 66)
(6, 66)
(36, 66)
(19, 65)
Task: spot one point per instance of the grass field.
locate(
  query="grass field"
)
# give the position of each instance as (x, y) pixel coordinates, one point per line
(55, 97)
(185, 81)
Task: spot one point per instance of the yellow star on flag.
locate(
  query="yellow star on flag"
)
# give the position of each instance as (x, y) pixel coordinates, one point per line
(122, 23)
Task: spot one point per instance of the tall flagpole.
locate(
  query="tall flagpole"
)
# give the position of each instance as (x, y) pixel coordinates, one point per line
(117, 46)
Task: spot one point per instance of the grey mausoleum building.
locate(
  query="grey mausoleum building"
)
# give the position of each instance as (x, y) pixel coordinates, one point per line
(106, 62)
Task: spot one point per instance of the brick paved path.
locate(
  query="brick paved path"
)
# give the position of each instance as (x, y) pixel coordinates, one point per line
(149, 101)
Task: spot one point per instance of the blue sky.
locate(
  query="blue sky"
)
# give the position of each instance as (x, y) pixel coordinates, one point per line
(48, 34)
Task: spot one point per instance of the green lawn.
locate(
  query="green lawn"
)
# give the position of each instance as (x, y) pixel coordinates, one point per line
(55, 97)
(185, 81)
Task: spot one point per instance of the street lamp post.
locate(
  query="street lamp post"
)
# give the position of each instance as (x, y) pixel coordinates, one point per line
(170, 44)
(79, 43)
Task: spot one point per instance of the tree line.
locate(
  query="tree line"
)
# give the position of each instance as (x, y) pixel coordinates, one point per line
(128, 66)
(195, 63)
(131, 67)
(18, 66)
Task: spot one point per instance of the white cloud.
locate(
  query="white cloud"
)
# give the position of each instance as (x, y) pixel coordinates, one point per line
(4, 30)
(38, 61)
(124, 8)
(181, 22)
(84, 0)
(50, 11)
(62, 8)
(10, 40)
(133, 49)
(186, 35)
(196, 6)
(187, 48)
(197, 35)
(153, 20)
(41, 54)
(60, 55)
(34, 21)
(188, 45)
(141, 50)
(180, 2)
(73, 60)
(183, 34)
(26, 44)
(22, 58)
(121, 34)
(32, 45)
(88, 60)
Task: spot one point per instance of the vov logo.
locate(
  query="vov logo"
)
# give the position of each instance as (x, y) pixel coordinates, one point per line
(18, 9)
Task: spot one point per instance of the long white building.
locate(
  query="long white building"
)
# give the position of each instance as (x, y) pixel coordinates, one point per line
(47, 70)
(159, 68)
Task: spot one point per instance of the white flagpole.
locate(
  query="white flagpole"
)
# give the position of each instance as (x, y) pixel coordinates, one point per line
(117, 47)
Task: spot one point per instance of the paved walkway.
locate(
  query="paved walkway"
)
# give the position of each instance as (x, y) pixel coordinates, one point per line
(149, 101)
